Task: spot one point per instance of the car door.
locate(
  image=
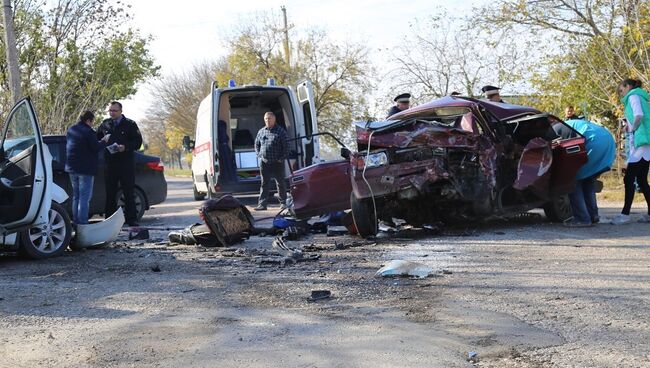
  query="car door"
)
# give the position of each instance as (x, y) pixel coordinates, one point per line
(22, 171)
(310, 147)
(569, 154)
(321, 188)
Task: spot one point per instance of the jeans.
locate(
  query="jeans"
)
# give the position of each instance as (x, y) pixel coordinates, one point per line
(272, 170)
(583, 201)
(82, 190)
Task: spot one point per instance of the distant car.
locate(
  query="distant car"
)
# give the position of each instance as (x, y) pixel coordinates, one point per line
(150, 183)
(450, 160)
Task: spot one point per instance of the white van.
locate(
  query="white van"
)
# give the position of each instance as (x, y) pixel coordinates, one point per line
(227, 122)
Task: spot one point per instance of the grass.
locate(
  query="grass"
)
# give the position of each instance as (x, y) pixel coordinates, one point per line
(613, 188)
(181, 173)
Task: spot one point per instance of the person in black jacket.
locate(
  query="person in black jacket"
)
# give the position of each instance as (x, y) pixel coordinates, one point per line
(125, 138)
(81, 150)
(402, 102)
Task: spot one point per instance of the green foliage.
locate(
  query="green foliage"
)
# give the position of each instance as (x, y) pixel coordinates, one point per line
(596, 45)
(74, 58)
(341, 72)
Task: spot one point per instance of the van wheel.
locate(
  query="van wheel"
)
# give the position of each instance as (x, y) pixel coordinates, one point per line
(364, 216)
(197, 195)
(50, 239)
(140, 202)
(558, 209)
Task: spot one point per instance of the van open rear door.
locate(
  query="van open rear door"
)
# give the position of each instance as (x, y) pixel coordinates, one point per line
(310, 147)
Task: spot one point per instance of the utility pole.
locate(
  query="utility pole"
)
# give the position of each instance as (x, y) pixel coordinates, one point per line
(287, 55)
(12, 52)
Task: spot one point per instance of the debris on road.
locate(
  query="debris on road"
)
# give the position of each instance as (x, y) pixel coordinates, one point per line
(400, 267)
(320, 295)
(194, 234)
(228, 219)
(139, 234)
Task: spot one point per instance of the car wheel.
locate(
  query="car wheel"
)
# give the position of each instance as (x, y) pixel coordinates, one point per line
(364, 216)
(558, 209)
(140, 202)
(197, 195)
(49, 240)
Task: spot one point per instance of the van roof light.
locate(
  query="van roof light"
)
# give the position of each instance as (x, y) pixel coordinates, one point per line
(270, 82)
(231, 83)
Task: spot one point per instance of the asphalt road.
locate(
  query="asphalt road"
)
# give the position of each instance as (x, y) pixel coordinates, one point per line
(518, 293)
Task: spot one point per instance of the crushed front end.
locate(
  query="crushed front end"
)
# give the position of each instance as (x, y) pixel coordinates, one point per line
(425, 169)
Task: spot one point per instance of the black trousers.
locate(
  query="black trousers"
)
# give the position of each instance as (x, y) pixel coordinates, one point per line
(272, 170)
(120, 174)
(636, 171)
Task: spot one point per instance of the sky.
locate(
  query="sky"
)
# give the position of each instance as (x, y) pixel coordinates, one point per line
(195, 32)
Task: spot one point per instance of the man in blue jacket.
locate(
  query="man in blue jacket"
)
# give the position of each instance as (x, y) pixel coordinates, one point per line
(82, 148)
(601, 151)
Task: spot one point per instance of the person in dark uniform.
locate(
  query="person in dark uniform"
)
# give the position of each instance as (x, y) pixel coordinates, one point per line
(125, 138)
(402, 102)
(492, 93)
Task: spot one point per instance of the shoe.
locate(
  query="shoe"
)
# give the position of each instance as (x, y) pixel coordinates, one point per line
(645, 218)
(621, 219)
(260, 208)
(595, 220)
(577, 224)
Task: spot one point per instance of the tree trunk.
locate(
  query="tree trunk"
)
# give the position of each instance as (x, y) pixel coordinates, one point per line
(12, 52)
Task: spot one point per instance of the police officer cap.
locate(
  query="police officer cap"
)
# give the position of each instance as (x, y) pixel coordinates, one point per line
(490, 90)
(404, 97)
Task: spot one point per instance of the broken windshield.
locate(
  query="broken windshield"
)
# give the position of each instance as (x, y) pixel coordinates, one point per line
(443, 116)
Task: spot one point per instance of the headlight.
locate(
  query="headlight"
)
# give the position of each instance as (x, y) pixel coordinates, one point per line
(374, 160)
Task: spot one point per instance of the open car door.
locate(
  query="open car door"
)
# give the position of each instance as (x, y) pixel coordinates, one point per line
(549, 162)
(310, 147)
(22, 169)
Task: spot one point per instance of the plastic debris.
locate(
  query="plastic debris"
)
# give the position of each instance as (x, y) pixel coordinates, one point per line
(472, 356)
(320, 294)
(400, 267)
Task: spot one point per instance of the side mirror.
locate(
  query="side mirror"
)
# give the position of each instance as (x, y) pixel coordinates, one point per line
(345, 153)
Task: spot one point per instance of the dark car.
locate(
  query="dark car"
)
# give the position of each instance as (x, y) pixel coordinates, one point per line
(150, 183)
(451, 159)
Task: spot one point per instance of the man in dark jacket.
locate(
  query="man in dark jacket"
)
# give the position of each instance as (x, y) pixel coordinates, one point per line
(271, 148)
(81, 150)
(125, 138)
(402, 102)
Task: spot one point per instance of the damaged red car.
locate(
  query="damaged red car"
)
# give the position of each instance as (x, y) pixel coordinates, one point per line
(451, 159)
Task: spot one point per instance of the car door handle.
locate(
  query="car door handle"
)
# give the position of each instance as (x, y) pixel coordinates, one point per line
(572, 149)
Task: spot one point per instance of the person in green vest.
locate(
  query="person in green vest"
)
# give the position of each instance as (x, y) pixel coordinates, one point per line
(637, 114)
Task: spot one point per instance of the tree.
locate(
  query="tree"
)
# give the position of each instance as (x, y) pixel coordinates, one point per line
(597, 44)
(173, 116)
(341, 72)
(72, 60)
(12, 53)
(443, 54)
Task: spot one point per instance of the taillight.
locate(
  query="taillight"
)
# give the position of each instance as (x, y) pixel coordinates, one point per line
(156, 165)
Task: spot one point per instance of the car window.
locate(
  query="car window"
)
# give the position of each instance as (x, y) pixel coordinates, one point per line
(19, 133)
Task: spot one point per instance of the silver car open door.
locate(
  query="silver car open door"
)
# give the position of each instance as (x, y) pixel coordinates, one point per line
(22, 169)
